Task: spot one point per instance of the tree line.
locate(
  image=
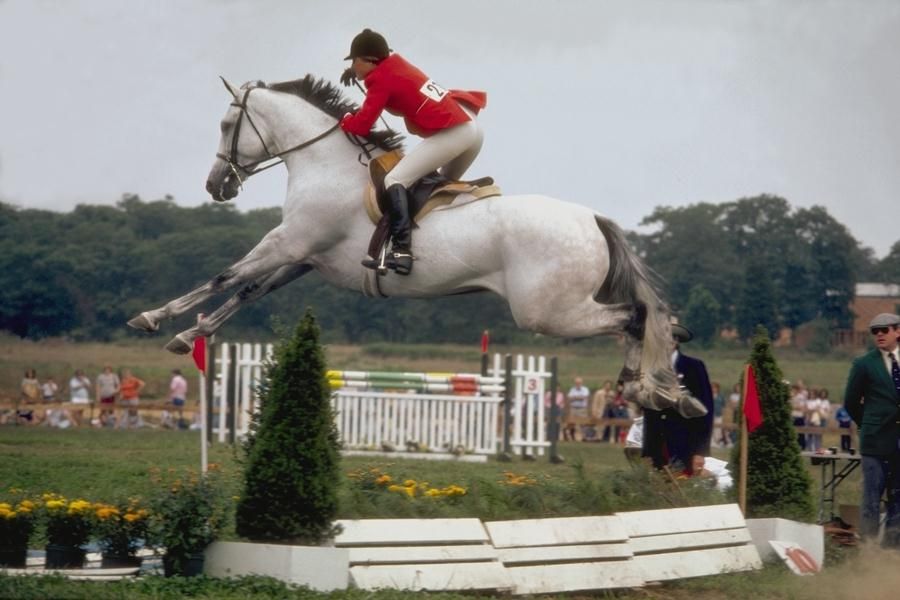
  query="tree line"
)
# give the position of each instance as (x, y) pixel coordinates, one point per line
(84, 273)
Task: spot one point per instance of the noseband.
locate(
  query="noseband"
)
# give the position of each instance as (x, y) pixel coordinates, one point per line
(252, 168)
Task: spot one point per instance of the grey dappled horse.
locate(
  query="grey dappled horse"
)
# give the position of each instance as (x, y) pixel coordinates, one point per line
(564, 269)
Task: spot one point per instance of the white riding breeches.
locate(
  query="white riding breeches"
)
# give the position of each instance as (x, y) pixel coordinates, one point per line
(451, 151)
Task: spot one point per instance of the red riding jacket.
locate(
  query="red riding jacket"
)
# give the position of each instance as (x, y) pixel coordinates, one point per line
(404, 90)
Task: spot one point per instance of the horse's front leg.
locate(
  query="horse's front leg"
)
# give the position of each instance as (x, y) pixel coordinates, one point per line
(184, 341)
(268, 256)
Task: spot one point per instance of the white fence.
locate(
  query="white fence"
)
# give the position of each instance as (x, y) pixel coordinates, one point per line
(471, 423)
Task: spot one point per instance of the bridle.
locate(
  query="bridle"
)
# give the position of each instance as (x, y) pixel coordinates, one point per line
(252, 168)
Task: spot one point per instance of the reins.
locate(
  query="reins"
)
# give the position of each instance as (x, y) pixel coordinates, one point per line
(252, 168)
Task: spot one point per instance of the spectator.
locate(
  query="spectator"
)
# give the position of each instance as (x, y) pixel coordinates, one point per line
(577, 400)
(718, 409)
(729, 416)
(29, 398)
(602, 399)
(671, 440)
(844, 420)
(871, 398)
(107, 393)
(798, 411)
(130, 389)
(815, 417)
(49, 390)
(178, 387)
(79, 393)
(618, 409)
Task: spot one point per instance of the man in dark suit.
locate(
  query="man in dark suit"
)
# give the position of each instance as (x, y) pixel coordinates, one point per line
(669, 438)
(873, 400)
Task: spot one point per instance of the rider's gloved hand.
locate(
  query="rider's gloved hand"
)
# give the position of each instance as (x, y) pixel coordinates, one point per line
(348, 77)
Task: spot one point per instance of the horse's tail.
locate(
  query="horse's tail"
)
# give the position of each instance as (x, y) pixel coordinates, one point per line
(630, 281)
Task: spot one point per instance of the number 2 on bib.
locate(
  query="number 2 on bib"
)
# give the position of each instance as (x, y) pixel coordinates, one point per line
(433, 90)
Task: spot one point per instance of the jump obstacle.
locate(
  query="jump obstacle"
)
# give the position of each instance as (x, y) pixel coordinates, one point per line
(498, 410)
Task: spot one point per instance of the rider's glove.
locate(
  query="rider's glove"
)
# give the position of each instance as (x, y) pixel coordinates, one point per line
(348, 77)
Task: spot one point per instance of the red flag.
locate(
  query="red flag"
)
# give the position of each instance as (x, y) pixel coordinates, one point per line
(752, 409)
(484, 341)
(199, 354)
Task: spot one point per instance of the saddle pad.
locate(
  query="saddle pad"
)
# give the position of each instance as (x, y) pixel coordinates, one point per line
(438, 200)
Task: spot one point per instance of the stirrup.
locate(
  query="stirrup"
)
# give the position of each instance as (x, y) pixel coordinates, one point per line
(401, 262)
(379, 265)
(398, 261)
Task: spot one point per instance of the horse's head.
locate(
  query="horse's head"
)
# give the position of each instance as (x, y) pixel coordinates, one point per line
(242, 145)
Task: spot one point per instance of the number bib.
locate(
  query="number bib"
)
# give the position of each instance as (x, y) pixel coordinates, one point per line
(432, 90)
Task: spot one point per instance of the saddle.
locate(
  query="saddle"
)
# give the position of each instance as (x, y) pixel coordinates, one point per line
(429, 193)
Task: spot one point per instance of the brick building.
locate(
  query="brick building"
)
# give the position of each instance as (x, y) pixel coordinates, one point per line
(869, 300)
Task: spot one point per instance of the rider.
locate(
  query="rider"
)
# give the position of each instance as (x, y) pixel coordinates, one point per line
(445, 118)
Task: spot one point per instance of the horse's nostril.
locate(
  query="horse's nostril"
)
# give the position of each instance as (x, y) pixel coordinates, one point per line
(209, 186)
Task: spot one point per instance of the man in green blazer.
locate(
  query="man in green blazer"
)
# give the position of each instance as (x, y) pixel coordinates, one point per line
(873, 400)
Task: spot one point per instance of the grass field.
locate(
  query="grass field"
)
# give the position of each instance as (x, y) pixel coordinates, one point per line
(102, 464)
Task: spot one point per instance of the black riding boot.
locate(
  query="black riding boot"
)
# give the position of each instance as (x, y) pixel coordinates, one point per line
(400, 259)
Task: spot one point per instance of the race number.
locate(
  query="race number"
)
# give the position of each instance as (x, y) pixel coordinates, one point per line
(433, 90)
(531, 385)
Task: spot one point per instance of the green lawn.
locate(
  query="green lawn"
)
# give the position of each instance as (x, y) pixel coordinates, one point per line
(102, 464)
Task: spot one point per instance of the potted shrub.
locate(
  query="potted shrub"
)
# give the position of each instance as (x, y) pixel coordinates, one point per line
(69, 526)
(17, 518)
(187, 514)
(121, 530)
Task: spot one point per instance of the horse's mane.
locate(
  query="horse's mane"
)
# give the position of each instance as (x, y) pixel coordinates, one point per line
(329, 98)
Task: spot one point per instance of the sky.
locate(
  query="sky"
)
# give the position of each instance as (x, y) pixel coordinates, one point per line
(622, 106)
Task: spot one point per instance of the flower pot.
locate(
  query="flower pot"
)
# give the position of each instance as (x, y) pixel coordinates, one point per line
(13, 556)
(64, 557)
(190, 565)
(114, 561)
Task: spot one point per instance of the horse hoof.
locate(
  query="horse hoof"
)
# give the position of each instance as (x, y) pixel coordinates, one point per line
(690, 407)
(143, 323)
(178, 345)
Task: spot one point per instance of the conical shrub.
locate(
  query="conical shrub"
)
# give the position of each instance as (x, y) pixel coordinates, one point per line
(291, 463)
(778, 483)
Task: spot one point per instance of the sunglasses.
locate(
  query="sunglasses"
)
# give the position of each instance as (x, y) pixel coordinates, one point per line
(879, 330)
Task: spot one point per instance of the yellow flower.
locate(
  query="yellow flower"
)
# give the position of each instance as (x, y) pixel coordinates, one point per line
(26, 504)
(55, 504)
(132, 517)
(433, 492)
(409, 483)
(384, 480)
(410, 491)
(5, 506)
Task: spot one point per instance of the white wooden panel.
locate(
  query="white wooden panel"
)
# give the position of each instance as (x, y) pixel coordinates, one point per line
(421, 554)
(549, 532)
(92, 574)
(550, 554)
(687, 541)
(398, 532)
(455, 576)
(697, 563)
(682, 520)
(545, 579)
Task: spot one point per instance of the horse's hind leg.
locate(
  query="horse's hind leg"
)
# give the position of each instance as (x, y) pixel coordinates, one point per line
(264, 259)
(184, 341)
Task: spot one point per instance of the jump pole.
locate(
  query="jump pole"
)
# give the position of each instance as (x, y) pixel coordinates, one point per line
(745, 439)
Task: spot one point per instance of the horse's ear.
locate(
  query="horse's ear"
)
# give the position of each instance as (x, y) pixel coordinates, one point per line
(229, 87)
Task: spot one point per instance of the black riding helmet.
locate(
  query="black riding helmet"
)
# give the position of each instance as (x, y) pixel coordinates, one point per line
(369, 43)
